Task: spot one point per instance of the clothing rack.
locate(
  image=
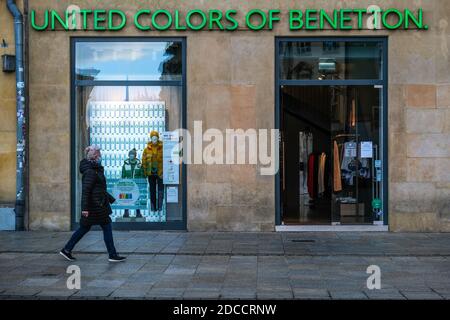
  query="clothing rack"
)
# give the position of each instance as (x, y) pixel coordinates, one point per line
(355, 135)
(346, 135)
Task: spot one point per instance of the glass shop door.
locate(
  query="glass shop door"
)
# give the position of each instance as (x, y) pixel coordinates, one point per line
(331, 119)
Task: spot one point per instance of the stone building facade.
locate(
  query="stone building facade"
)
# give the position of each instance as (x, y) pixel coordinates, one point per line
(8, 113)
(231, 84)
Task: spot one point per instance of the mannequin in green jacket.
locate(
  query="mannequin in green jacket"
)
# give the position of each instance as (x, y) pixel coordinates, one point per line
(132, 169)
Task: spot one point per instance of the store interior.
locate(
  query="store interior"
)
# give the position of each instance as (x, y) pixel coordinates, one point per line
(330, 155)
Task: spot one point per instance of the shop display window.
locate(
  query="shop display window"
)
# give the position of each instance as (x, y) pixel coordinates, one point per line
(135, 123)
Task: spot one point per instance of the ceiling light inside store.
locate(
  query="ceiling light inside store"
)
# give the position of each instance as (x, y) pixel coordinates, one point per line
(327, 65)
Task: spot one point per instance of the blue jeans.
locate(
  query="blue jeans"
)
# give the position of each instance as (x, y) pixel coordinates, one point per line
(82, 230)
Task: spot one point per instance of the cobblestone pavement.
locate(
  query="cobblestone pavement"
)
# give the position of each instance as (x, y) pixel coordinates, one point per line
(180, 265)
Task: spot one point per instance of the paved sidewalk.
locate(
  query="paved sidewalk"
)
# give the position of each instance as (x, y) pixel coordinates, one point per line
(179, 265)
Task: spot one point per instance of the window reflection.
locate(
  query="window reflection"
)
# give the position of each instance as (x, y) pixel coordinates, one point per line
(107, 60)
(330, 60)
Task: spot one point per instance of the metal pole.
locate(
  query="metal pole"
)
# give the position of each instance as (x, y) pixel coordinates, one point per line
(20, 107)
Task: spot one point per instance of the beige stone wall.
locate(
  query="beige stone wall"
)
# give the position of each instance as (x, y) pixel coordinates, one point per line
(419, 117)
(230, 83)
(7, 113)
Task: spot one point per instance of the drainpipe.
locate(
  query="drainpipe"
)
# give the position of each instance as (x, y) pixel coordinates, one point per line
(20, 107)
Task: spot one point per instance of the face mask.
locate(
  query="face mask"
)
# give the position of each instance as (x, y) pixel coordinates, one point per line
(154, 139)
(99, 160)
(132, 157)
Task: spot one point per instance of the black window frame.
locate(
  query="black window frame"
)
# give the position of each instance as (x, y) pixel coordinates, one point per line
(74, 83)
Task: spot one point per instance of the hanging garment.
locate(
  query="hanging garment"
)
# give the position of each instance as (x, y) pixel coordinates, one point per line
(364, 170)
(303, 171)
(310, 142)
(305, 149)
(311, 180)
(349, 163)
(337, 182)
(321, 174)
(352, 165)
(352, 118)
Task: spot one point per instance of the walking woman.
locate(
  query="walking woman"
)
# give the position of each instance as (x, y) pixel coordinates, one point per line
(95, 205)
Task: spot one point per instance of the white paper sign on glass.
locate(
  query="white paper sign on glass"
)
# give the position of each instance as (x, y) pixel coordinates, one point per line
(172, 195)
(366, 150)
(350, 149)
(379, 175)
(377, 163)
(171, 157)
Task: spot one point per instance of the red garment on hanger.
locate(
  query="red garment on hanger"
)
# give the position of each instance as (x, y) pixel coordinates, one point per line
(311, 181)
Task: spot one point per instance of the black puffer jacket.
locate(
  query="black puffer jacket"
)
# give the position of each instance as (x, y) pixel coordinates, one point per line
(94, 197)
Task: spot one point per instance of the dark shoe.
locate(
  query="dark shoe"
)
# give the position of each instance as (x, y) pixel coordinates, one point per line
(126, 214)
(66, 254)
(116, 258)
(138, 214)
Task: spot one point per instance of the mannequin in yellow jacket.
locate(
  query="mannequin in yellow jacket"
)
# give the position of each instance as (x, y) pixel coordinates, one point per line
(152, 164)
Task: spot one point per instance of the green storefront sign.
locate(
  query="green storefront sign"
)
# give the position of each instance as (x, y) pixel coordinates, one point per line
(219, 20)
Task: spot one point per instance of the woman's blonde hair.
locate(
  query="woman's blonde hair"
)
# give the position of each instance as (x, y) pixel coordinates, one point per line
(91, 152)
